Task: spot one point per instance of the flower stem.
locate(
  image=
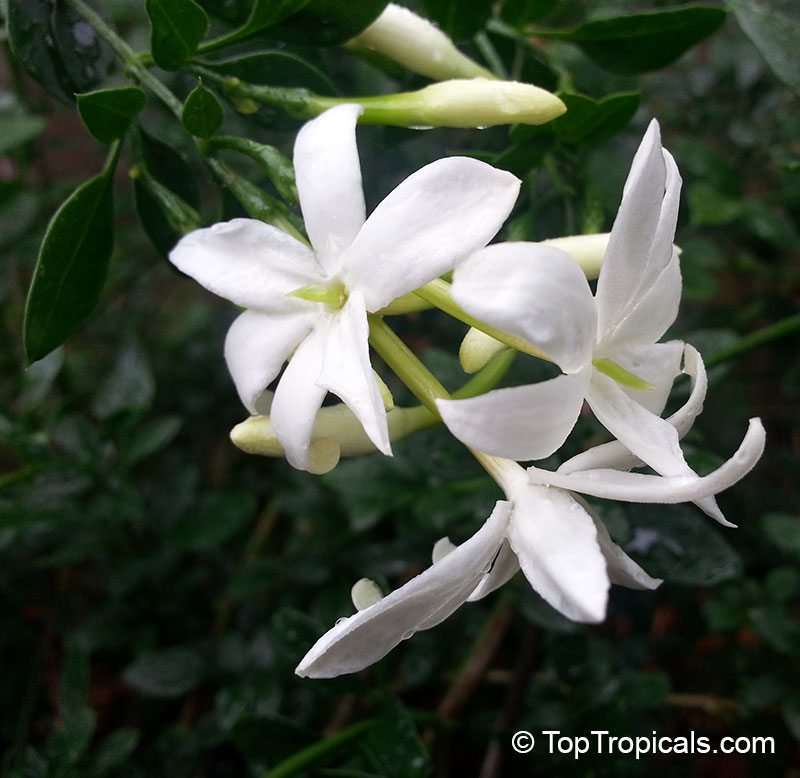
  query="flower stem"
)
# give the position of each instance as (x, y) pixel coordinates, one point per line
(133, 61)
(780, 329)
(437, 293)
(425, 386)
(427, 389)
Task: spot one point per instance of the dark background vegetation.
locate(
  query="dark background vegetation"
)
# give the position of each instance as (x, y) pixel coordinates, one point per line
(158, 587)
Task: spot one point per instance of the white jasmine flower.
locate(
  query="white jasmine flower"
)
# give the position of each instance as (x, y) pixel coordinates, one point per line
(310, 305)
(564, 551)
(605, 345)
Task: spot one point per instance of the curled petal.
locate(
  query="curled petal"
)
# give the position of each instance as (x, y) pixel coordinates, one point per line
(250, 263)
(328, 176)
(257, 345)
(429, 223)
(347, 372)
(555, 541)
(521, 422)
(429, 598)
(535, 292)
(298, 397)
(638, 487)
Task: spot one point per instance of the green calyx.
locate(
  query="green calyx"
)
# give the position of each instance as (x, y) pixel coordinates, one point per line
(622, 376)
(333, 296)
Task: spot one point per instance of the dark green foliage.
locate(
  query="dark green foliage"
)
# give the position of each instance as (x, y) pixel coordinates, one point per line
(158, 587)
(202, 113)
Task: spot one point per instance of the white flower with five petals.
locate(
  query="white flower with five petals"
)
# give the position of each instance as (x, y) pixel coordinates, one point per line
(310, 305)
(606, 345)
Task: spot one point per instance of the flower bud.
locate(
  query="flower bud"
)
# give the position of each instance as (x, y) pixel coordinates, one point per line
(365, 592)
(417, 44)
(482, 102)
(587, 250)
(477, 350)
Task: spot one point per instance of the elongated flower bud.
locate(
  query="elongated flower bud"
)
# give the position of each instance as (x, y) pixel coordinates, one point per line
(416, 43)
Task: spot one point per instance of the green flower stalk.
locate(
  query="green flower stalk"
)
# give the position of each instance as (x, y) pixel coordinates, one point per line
(419, 45)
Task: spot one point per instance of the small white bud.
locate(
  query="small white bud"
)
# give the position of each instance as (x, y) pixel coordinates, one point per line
(417, 44)
(365, 592)
(441, 548)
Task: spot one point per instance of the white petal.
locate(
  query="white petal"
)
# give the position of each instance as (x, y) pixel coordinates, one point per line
(429, 223)
(522, 422)
(328, 176)
(640, 245)
(535, 292)
(257, 345)
(657, 363)
(347, 372)
(298, 397)
(637, 487)
(250, 263)
(651, 438)
(504, 567)
(423, 602)
(556, 542)
(622, 570)
(651, 312)
(615, 455)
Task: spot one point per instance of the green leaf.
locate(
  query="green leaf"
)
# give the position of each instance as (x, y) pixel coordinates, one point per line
(166, 212)
(328, 22)
(57, 47)
(791, 714)
(775, 35)
(263, 14)
(18, 130)
(202, 113)
(275, 164)
(458, 19)
(114, 750)
(176, 29)
(640, 42)
(518, 13)
(783, 530)
(72, 265)
(679, 545)
(107, 113)
(393, 745)
(154, 435)
(129, 387)
(709, 207)
(170, 672)
(593, 121)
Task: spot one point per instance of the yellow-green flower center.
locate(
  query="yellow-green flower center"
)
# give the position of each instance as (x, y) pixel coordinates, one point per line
(622, 376)
(334, 296)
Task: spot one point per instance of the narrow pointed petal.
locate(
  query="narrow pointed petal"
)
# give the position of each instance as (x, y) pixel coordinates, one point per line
(250, 263)
(429, 223)
(257, 345)
(523, 422)
(556, 542)
(429, 598)
(638, 487)
(640, 245)
(504, 568)
(615, 455)
(535, 292)
(328, 175)
(622, 570)
(298, 397)
(347, 372)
